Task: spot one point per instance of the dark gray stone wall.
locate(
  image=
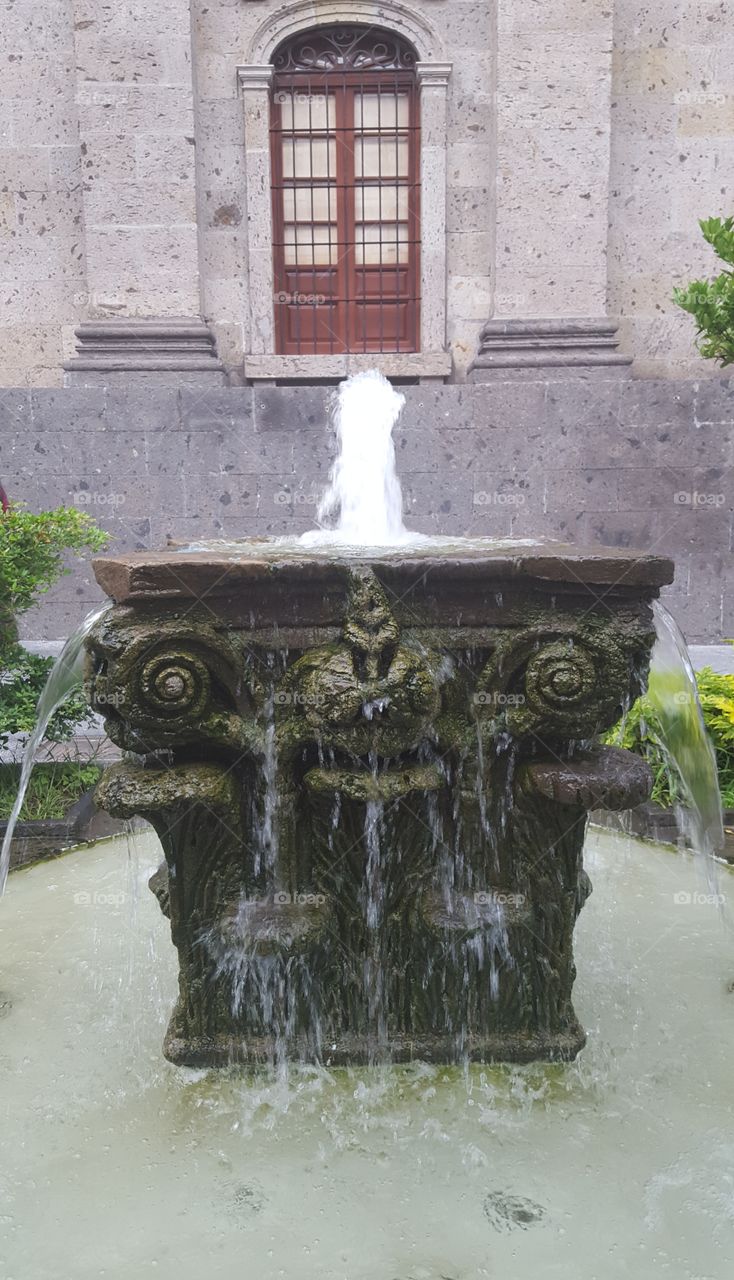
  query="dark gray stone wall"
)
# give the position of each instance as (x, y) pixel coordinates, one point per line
(621, 462)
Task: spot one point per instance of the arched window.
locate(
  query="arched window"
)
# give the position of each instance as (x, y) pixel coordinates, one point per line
(345, 184)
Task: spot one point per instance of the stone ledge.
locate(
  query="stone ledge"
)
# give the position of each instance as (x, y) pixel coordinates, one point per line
(177, 346)
(394, 364)
(311, 577)
(510, 348)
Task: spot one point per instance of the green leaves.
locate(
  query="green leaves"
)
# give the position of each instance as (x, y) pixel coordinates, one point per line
(22, 679)
(719, 233)
(711, 303)
(52, 791)
(31, 552)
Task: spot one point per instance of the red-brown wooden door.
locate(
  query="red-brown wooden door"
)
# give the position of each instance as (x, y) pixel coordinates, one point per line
(346, 198)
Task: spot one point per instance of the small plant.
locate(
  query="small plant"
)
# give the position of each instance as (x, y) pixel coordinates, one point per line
(52, 791)
(711, 302)
(22, 680)
(31, 560)
(31, 556)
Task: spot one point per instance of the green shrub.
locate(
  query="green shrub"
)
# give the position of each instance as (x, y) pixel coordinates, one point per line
(22, 680)
(711, 303)
(32, 546)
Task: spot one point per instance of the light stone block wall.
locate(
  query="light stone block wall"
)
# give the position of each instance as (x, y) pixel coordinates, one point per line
(225, 35)
(553, 120)
(672, 163)
(42, 254)
(135, 108)
(584, 140)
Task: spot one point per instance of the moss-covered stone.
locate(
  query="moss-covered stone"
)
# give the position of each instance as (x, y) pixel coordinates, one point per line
(373, 836)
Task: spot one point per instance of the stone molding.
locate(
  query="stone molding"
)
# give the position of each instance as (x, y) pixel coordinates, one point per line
(140, 346)
(517, 347)
(302, 15)
(393, 364)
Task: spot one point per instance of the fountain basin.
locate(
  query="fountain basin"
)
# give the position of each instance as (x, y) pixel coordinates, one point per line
(401, 745)
(177, 1173)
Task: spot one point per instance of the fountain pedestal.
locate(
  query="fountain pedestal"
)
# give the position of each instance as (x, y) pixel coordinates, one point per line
(370, 778)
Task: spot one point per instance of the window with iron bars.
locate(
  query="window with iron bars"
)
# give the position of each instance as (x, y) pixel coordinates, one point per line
(346, 192)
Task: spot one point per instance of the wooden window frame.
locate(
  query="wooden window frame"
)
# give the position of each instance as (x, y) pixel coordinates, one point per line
(261, 364)
(351, 304)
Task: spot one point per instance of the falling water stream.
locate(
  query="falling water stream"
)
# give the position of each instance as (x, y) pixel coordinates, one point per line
(64, 677)
(673, 693)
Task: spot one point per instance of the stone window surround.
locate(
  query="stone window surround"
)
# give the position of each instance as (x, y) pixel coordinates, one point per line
(433, 361)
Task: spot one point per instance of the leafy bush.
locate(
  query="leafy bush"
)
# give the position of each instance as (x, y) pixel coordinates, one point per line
(22, 680)
(52, 790)
(711, 303)
(31, 555)
(31, 560)
(640, 731)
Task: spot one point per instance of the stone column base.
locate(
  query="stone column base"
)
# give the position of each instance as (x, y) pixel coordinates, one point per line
(529, 348)
(356, 1050)
(168, 351)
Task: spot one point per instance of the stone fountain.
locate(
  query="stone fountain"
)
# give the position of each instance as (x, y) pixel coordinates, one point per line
(370, 773)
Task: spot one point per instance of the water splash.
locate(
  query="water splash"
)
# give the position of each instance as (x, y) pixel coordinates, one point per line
(64, 676)
(364, 494)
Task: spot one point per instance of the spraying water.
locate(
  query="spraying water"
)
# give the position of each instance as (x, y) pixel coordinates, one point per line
(364, 494)
(65, 675)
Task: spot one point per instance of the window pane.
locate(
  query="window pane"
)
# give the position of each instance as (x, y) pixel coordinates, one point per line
(381, 157)
(381, 243)
(306, 111)
(380, 202)
(381, 110)
(309, 157)
(309, 204)
(309, 246)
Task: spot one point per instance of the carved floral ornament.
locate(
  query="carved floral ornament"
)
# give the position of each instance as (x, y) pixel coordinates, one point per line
(560, 676)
